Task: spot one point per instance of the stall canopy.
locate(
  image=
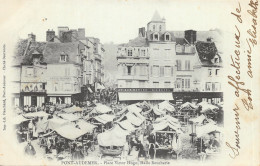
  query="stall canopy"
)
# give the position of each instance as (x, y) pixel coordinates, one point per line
(105, 118)
(157, 111)
(198, 120)
(36, 114)
(188, 106)
(69, 117)
(114, 137)
(101, 109)
(19, 119)
(168, 119)
(125, 124)
(131, 108)
(208, 128)
(135, 120)
(85, 126)
(69, 131)
(166, 105)
(56, 122)
(123, 96)
(207, 107)
(72, 109)
(164, 124)
(42, 125)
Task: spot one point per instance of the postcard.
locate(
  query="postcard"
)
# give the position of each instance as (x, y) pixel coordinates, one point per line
(127, 82)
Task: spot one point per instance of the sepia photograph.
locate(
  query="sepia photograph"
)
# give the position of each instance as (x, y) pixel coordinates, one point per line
(122, 83)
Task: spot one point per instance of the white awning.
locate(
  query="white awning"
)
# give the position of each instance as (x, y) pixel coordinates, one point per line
(144, 96)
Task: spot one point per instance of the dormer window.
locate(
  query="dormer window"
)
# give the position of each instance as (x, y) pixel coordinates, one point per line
(156, 36)
(167, 36)
(63, 57)
(216, 60)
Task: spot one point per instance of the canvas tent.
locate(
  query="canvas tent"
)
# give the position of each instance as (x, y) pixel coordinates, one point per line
(72, 109)
(113, 137)
(69, 117)
(56, 122)
(69, 131)
(36, 114)
(18, 119)
(164, 125)
(188, 106)
(101, 109)
(166, 105)
(208, 128)
(104, 118)
(125, 124)
(198, 120)
(207, 107)
(85, 126)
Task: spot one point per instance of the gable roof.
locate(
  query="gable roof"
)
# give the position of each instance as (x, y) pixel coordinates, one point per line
(156, 17)
(206, 52)
(53, 51)
(161, 36)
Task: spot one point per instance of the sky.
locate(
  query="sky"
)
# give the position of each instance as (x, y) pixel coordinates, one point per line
(114, 21)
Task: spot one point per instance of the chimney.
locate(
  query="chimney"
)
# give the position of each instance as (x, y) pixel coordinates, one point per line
(32, 37)
(81, 33)
(209, 39)
(61, 30)
(141, 32)
(50, 34)
(191, 36)
(74, 35)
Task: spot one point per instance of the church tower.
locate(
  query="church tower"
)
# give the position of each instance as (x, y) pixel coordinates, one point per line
(157, 24)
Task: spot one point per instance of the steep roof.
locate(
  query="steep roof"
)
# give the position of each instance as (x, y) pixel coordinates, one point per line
(137, 42)
(181, 41)
(156, 17)
(53, 51)
(161, 35)
(206, 52)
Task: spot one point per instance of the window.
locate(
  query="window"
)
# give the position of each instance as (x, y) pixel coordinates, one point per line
(167, 37)
(168, 54)
(187, 65)
(161, 71)
(160, 28)
(156, 36)
(216, 60)
(130, 53)
(156, 71)
(128, 84)
(156, 84)
(167, 84)
(217, 72)
(129, 70)
(27, 100)
(142, 52)
(167, 71)
(141, 84)
(210, 72)
(56, 86)
(182, 83)
(217, 86)
(63, 58)
(153, 27)
(68, 100)
(178, 83)
(208, 86)
(187, 83)
(178, 62)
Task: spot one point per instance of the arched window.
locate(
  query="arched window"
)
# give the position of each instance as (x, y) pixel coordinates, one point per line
(156, 36)
(167, 36)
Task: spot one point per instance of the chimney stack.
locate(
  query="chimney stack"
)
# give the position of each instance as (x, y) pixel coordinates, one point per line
(191, 36)
(141, 32)
(50, 34)
(81, 33)
(209, 39)
(32, 37)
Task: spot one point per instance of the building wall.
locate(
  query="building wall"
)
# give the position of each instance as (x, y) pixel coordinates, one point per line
(156, 26)
(162, 56)
(213, 81)
(63, 79)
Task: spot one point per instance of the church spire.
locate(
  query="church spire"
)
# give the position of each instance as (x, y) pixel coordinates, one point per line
(156, 16)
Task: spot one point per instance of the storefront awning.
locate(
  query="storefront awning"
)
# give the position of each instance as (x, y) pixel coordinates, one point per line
(144, 96)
